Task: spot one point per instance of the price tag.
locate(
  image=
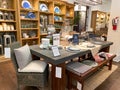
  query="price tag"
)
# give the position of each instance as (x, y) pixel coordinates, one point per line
(55, 51)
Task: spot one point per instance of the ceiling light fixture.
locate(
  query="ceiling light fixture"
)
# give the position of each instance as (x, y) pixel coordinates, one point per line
(89, 2)
(97, 1)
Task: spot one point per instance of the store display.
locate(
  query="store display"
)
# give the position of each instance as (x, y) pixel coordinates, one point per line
(73, 48)
(32, 34)
(8, 27)
(56, 18)
(1, 28)
(6, 17)
(14, 11)
(13, 38)
(25, 35)
(4, 4)
(57, 10)
(4, 26)
(1, 15)
(12, 27)
(26, 4)
(7, 39)
(43, 7)
(31, 15)
(10, 16)
(51, 29)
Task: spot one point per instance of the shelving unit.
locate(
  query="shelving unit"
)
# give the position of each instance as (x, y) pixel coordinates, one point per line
(29, 31)
(107, 17)
(69, 11)
(98, 20)
(56, 18)
(46, 16)
(59, 17)
(8, 20)
(69, 15)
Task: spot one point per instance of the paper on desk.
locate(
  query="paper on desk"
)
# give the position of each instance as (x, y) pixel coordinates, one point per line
(58, 72)
(79, 86)
(7, 52)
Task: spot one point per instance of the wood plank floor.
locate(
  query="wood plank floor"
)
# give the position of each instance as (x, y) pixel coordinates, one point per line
(112, 82)
(8, 79)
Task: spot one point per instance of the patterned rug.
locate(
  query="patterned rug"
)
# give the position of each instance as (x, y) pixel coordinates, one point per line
(99, 77)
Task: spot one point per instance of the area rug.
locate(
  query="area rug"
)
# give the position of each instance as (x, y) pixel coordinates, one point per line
(98, 78)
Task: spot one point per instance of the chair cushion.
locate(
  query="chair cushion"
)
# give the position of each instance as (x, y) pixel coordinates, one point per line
(34, 66)
(23, 56)
(77, 67)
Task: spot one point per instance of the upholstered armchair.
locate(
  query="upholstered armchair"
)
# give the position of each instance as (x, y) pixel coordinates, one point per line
(34, 73)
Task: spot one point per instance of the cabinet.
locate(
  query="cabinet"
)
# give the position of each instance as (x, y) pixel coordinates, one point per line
(69, 11)
(8, 20)
(98, 20)
(59, 14)
(69, 16)
(33, 21)
(107, 17)
(46, 15)
(28, 20)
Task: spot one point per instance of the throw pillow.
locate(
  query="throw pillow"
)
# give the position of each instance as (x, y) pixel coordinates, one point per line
(23, 56)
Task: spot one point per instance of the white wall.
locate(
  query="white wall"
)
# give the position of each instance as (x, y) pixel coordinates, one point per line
(114, 36)
(105, 7)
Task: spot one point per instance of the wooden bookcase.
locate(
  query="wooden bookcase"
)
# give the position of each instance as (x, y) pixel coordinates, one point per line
(8, 20)
(35, 28)
(66, 12)
(98, 20)
(29, 30)
(61, 15)
(69, 17)
(46, 17)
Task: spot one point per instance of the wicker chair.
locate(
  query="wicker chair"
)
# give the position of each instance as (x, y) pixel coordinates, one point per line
(28, 78)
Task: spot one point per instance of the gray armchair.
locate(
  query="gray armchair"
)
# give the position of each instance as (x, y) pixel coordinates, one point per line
(39, 79)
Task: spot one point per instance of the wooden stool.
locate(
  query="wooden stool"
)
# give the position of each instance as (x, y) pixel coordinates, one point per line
(73, 70)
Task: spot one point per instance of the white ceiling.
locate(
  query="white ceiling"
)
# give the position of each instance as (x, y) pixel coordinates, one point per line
(87, 2)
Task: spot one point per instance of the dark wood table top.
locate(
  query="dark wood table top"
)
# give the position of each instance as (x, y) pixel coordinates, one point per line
(65, 55)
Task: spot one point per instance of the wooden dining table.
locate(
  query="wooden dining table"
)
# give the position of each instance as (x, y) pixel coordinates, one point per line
(58, 69)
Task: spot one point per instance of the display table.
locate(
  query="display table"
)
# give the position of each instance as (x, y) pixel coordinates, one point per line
(80, 77)
(59, 83)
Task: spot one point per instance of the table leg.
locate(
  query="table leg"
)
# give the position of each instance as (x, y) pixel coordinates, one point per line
(58, 83)
(110, 64)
